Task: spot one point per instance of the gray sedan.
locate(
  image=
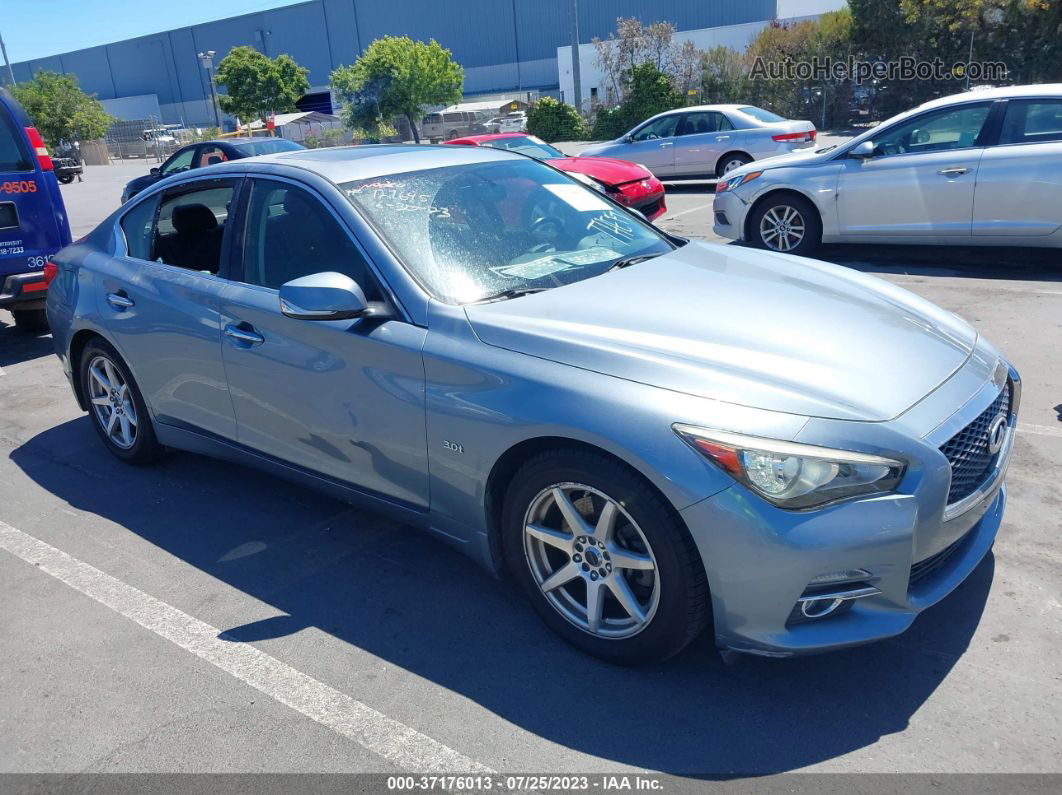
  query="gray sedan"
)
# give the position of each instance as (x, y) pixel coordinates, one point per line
(706, 141)
(980, 168)
(649, 436)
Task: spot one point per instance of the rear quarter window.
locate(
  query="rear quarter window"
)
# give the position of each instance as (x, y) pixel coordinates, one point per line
(13, 156)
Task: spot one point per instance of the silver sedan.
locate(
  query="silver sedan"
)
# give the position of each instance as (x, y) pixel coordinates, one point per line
(980, 168)
(649, 436)
(706, 141)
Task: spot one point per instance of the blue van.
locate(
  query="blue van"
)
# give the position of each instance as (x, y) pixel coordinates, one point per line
(33, 222)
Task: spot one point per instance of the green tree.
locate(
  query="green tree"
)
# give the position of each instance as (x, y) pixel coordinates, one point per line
(60, 110)
(650, 92)
(553, 120)
(397, 76)
(724, 77)
(258, 85)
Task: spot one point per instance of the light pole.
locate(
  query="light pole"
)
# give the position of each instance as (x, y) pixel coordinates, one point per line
(10, 71)
(207, 59)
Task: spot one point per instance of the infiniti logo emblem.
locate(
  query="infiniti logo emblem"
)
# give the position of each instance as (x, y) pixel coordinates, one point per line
(997, 432)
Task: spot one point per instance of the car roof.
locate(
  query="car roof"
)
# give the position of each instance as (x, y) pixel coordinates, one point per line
(488, 137)
(1004, 92)
(345, 163)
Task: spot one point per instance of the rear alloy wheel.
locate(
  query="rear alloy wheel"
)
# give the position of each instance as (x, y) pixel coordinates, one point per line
(787, 224)
(605, 561)
(729, 162)
(115, 405)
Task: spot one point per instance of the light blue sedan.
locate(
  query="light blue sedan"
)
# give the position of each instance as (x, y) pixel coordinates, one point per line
(650, 436)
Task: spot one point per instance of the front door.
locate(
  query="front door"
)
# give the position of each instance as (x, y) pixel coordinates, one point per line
(160, 302)
(653, 145)
(920, 180)
(344, 398)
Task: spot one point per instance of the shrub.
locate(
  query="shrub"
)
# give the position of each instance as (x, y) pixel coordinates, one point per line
(552, 120)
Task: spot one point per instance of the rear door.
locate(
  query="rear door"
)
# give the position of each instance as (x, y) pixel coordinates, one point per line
(1019, 183)
(159, 299)
(703, 137)
(33, 223)
(344, 398)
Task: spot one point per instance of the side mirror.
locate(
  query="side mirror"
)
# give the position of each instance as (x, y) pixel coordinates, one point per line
(323, 296)
(862, 150)
(628, 139)
(155, 171)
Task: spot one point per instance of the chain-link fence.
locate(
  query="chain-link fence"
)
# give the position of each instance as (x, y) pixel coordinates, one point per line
(143, 139)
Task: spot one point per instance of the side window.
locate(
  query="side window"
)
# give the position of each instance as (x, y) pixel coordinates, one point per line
(209, 155)
(139, 227)
(182, 161)
(722, 123)
(191, 226)
(704, 121)
(942, 130)
(664, 127)
(1032, 121)
(291, 233)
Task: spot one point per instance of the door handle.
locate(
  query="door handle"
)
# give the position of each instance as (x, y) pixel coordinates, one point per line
(243, 337)
(722, 137)
(954, 171)
(666, 143)
(119, 300)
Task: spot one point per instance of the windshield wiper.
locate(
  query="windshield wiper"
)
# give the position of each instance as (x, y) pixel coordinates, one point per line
(512, 292)
(626, 261)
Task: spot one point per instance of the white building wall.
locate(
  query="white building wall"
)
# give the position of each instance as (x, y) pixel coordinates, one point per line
(736, 37)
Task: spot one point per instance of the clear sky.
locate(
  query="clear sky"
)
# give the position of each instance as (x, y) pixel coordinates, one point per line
(34, 28)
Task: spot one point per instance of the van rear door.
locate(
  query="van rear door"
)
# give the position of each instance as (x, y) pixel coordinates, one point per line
(33, 222)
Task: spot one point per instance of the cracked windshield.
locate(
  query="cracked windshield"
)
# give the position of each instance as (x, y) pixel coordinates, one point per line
(486, 231)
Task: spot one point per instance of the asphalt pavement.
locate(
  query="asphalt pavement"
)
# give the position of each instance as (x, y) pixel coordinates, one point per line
(198, 616)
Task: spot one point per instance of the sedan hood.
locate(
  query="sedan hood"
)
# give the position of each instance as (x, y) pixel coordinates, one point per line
(750, 327)
(800, 157)
(604, 169)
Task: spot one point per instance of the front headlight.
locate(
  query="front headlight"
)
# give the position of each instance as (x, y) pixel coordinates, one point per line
(793, 475)
(724, 185)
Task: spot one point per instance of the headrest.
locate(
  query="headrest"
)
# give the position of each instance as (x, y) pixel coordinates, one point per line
(193, 218)
(297, 205)
(212, 159)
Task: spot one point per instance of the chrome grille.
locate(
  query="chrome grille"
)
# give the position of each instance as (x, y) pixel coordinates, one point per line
(967, 451)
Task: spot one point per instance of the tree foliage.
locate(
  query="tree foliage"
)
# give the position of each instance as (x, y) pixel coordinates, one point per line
(396, 76)
(60, 110)
(553, 120)
(634, 44)
(650, 92)
(258, 85)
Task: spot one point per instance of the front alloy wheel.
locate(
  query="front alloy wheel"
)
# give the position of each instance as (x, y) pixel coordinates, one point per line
(112, 403)
(604, 558)
(591, 560)
(788, 224)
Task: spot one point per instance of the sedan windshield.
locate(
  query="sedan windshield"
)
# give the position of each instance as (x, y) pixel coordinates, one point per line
(759, 114)
(490, 230)
(525, 145)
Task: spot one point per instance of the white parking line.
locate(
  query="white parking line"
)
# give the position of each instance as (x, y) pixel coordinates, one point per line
(686, 212)
(397, 743)
(1040, 430)
(970, 284)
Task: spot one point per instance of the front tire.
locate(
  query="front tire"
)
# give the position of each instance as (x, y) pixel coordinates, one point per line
(116, 407)
(66, 179)
(30, 319)
(787, 224)
(607, 563)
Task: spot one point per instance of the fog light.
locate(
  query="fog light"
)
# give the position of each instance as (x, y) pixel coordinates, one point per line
(840, 576)
(819, 608)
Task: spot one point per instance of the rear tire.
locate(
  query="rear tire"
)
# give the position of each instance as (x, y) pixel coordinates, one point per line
(639, 565)
(66, 180)
(116, 407)
(30, 319)
(787, 224)
(729, 162)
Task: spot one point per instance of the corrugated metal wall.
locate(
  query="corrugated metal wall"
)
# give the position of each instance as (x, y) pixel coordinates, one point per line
(502, 44)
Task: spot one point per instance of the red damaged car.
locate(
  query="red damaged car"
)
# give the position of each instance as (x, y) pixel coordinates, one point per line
(630, 184)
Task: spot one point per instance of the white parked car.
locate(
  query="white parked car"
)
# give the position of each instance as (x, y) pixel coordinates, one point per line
(707, 140)
(979, 168)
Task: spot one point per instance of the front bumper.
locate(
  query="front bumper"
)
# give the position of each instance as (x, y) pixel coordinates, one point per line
(729, 211)
(907, 549)
(23, 290)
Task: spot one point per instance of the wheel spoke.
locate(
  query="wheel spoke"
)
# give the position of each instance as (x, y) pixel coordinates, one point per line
(112, 421)
(127, 432)
(130, 411)
(594, 600)
(103, 400)
(112, 377)
(773, 234)
(554, 538)
(100, 379)
(622, 591)
(606, 523)
(627, 559)
(566, 573)
(572, 517)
